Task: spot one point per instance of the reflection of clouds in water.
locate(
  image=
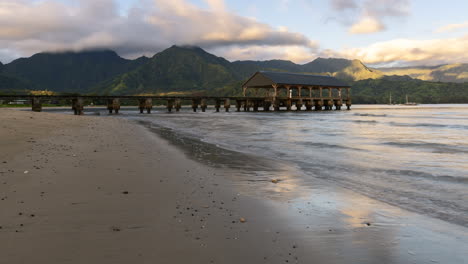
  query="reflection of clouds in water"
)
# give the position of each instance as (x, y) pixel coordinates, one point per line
(415, 167)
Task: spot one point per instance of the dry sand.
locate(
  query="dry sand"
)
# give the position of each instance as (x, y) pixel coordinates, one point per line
(88, 189)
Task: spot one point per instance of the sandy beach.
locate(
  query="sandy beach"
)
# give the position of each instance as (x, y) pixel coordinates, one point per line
(89, 189)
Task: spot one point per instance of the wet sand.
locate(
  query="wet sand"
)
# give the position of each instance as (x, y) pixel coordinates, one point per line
(89, 189)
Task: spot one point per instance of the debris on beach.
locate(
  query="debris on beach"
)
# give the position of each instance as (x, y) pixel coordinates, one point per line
(242, 220)
(275, 181)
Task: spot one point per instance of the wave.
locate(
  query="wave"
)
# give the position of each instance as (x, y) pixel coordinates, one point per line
(359, 114)
(365, 121)
(419, 174)
(434, 147)
(327, 145)
(427, 125)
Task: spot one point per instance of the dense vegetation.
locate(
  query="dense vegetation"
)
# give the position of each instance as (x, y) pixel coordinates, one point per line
(442, 73)
(191, 70)
(69, 71)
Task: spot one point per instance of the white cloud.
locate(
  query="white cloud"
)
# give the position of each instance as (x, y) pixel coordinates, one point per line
(366, 25)
(409, 51)
(452, 27)
(28, 27)
(298, 54)
(369, 16)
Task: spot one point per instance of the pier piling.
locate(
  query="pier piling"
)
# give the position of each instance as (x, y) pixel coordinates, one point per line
(113, 105)
(36, 104)
(227, 104)
(78, 105)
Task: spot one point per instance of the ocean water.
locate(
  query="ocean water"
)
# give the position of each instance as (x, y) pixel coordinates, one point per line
(412, 157)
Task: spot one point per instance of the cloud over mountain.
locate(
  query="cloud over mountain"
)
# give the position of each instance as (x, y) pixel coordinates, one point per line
(27, 27)
(409, 51)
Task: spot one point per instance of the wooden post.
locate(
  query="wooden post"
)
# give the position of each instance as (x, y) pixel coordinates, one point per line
(170, 105)
(288, 89)
(246, 106)
(266, 105)
(318, 104)
(255, 105)
(227, 104)
(276, 104)
(309, 104)
(238, 105)
(36, 104)
(321, 92)
(244, 91)
(203, 105)
(148, 105)
(78, 105)
(329, 92)
(310, 92)
(299, 90)
(299, 105)
(145, 103)
(178, 105)
(194, 105)
(339, 93)
(217, 105)
(113, 104)
(141, 105)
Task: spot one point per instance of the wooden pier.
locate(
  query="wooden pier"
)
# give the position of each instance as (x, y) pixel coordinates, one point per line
(264, 91)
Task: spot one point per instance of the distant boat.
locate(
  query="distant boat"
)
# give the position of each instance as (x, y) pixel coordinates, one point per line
(409, 103)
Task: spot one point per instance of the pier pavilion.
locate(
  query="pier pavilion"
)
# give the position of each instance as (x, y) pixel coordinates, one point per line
(286, 89)
(263, 89)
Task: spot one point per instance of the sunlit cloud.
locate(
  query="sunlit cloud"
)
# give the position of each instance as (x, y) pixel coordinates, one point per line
(298, 54)
(366, 25)
(452, 27)
(408, 51)
(28, 27)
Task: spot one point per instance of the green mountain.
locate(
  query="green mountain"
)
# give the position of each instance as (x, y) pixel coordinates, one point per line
(70, 71)
(12, 85)
(247, 68)
(377, 91)
(191, 70)
(342, 68)
(457, 73)
(352, 70)
(177, 69)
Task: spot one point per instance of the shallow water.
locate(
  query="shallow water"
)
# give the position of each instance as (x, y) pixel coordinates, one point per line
(414, 158)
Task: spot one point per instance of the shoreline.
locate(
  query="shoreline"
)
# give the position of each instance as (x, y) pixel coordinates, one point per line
(178, 210)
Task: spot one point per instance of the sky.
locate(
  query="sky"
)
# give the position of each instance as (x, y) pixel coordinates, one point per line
(377, 32)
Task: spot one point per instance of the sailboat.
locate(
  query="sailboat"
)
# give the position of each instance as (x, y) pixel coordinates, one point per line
(409, 103)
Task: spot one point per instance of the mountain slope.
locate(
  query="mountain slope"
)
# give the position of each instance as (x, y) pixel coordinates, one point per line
(350, 70)
(177, 69)
(444, 73)
(246, 68)
(70, 71)
(11, 85)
